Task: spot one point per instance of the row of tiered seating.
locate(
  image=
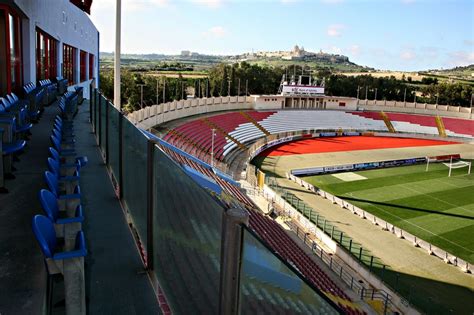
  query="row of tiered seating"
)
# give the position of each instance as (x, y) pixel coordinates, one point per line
(248, 132)
(16, 120)
(455, 127)
(15, 125)
(59, 230)
(282, 243)
(268, 230)
(284, 121)
(199, 132)
(222, 180)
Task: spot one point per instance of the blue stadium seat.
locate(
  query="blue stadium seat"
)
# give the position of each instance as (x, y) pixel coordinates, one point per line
(60, 188)
(68, 160)
(50, 206)
(45, 234)
(66, 172)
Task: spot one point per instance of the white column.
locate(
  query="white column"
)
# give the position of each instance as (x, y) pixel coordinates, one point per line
(118, 30)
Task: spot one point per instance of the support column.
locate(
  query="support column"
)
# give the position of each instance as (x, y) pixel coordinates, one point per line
(118, 30)
(231, 259)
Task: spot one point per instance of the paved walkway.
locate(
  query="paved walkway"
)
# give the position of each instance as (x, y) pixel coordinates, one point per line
(399, 254)
(115, 281)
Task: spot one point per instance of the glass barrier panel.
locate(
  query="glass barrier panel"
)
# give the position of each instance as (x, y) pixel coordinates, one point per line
(114, 116)
(103, 126)
(134, 176)
(96, 113)
(269, 286)
(186, 237)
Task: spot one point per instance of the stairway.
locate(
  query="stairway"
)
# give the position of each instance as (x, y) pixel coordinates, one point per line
(224, 133)
(387, 122)
(253, 121)
(440, 125)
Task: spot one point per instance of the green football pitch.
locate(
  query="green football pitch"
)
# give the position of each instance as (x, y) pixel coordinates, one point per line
(428, 204)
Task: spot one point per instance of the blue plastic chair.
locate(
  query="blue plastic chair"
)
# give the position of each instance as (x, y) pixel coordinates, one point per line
(43, 229)
(63, 160)
(69, 174)
(45, 234)
(68, 149)
(50, 206)
(72, 192)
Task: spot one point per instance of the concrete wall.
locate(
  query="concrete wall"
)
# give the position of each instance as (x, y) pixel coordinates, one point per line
(417, 108)
(158, 114)
(67, 24)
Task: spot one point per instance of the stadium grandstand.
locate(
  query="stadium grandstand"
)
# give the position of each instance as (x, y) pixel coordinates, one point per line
(161, 211)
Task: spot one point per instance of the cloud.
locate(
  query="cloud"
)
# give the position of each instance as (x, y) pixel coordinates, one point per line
(355, 50)
(208, 3)
(408, 55)
(460, 58)
(289, 1)
(216, 32)
(468, 42)
(335, 30)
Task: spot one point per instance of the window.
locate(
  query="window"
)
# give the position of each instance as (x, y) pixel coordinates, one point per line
(69, 64)
(46, 56)
(10, 51)
(91, 66)
(83, 66)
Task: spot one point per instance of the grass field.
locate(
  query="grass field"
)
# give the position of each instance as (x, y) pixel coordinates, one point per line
(437, 208)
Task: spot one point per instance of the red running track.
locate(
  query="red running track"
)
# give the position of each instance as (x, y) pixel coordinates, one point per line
(354, 143)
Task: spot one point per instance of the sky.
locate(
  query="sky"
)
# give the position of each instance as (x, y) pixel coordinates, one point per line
(406, 35)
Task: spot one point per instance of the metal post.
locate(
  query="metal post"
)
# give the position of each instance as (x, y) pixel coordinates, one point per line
(207, 88)
(358, 88)
(371, 261)
(182, 90)
(100, 119)
(149, 203)
(164, 89)
(350, 246)
(340, 238)
(228, 87)
(247, 88)
(141, 94)
(199, 88)
(120, 155)
(360, 253)
(366, 91)
(90, 103)
(213, 130)
(375, 98)
(238, 89)
(157, 94)
(231, 259)
(106, 133)
(118, 26)
(405, 96)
